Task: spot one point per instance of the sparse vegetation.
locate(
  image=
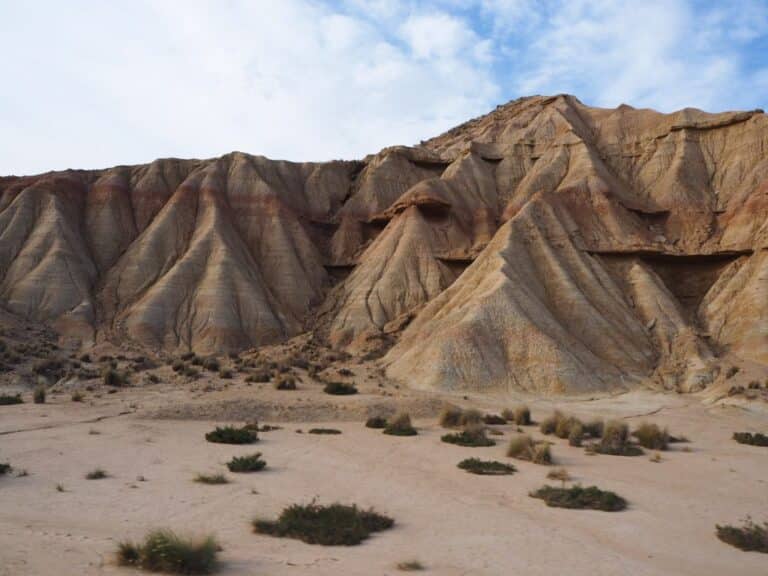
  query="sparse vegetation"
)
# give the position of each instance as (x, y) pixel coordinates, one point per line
(285, 383)
(494, 420)
(332, 525)
(753, 439)
(5, 468)
(77, 396)
(521, 416)
(339, 389)
(211, 479)
(212, 364)
(576, 497)
(400, 425)
(576, 433)
(164, 551)
(232, 435)
(472, 436)
(749, 537)
(114, 378)
(486, 467)
(450, 417)
(96, 474)
(523, 447)
(410, 566)
(549, 424)
(39, 395)
(323, 431)
(560, 474)
(593, 428)
(376, 422)
(250, 463)
(9, 399)
(615, 441)
(651, 436)
(226, 374)
(258, 376)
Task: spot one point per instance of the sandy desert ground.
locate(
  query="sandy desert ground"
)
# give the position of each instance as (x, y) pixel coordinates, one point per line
(452, 522)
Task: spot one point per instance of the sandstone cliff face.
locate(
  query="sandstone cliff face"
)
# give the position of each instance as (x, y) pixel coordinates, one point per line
(547, 246)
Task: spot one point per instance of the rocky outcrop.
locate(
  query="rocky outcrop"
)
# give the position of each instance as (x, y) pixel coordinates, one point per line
(547, 246)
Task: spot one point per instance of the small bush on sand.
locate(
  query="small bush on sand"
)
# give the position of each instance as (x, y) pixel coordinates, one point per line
(226, 374)
(8, 399)
(211, 479)
(486, 467)
(410, 566)
(471, 417)
(450, 417)
(749, 537)
(593, 428)
(560, 474)
(472, 436)
(250, 463)
(285, 383)
(339, 389)
(323, 431)
(96, 474)
(232, 435)
(756, 439)
(333, 525)
(376, 422)
(39, 395)
(5, 468)
(258, 376)
(523, 447)
(565, 425)
(576, 434)
(400, 425)
(615, 441)
(651, 436)
(549, 424)
(212, 364)
(77, 396)
(494, 420)
(164, 551)
(591, 498)
(522, 416)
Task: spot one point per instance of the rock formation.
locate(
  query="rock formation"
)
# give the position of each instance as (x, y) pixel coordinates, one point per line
(547, 246)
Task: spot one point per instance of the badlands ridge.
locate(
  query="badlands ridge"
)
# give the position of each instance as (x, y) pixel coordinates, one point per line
(545, 247)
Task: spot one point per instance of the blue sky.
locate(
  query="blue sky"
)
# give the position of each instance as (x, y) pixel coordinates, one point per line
(90, 84)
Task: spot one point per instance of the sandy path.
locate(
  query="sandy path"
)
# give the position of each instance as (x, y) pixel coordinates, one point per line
(453, 522)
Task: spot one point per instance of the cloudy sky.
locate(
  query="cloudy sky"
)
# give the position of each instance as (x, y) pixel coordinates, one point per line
(89, 84)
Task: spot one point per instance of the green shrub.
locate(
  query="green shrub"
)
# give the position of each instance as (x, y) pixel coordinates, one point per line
(750, 537)
(486, 467)
(339, 389)
(323, 431)
(333, 525)
(211, 479)
(164, 551)
(472, 436)
(615, 441)
(400, 425)
(591, 498)
(96, 474)
(376, 422)
(251, 463)
(450, 417)
(756, 439)
(232, 435)
(39, 395)
(8, 399)
(651, 436)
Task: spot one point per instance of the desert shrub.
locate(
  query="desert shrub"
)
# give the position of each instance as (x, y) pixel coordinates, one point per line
(323, 431)
(39, 395)
(450, 417)
(651, 436)
(77, 396)
(576, 433)
(523, 447)
(486, 467)
(549, 424)
(178, 366)
(191, 372)
(756, 439)
(332, 525)
(85, 358)
(565, 425)
(5, 468)
(250, 463)
(410, 566)
(560, 474)
(8, 399)
(471, 417)
(339, 389)
(53, 368)
(112, 377)
(153, 378)
(472, 436)
(494, 420)
(226, 374)
(749, 537)
(96, 474)
(211, 479)
(591, 498)
(522, 416)
(285, 383)
(615, 441)
(232, 435)
(258, 376)
(732, 371)
(593, 428)
(400, 425)
(212, 364)
(376, 422)
(188, 356)
(164, 551)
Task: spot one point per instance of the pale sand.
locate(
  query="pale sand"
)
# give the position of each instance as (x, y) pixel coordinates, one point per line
(451, 521)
